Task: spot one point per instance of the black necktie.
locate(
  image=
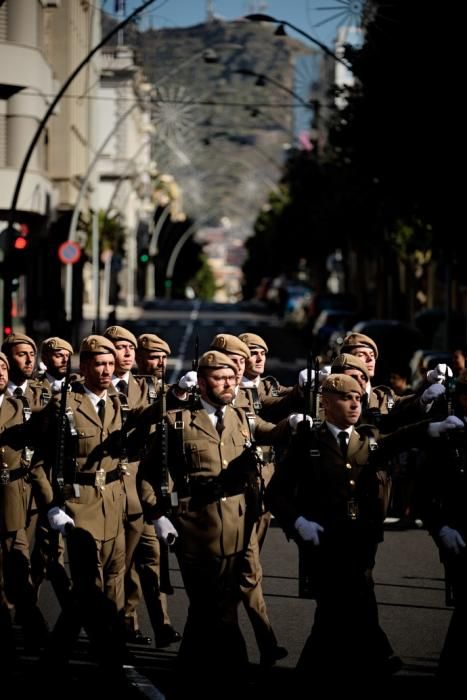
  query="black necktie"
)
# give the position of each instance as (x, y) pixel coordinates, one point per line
(101, 410)
(18, 391)
(343, 442)
(220, 420)
(122, 386)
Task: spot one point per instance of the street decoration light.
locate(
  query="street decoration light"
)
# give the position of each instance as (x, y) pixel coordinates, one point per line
(263, 78)
(280, 31)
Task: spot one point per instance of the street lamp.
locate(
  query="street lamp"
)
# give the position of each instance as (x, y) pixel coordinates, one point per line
(258, 17)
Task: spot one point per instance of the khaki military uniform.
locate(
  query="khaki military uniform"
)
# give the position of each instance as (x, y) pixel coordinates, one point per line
(15, 493)
(100, 511)
(214, 520)
(343, 495)
(143, 549)
(266, 395)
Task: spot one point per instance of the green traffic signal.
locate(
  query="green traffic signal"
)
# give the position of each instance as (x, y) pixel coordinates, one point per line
(144, 258)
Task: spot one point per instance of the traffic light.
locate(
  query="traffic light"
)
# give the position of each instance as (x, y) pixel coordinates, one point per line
(15, 241)
(142, 239)
(144, 256)
(20, 237)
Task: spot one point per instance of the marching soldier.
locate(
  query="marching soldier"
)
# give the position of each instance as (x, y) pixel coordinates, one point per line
(47, 556)
(93, 493)
(444, 501)
(143, 553)
(327, 497)
(215, 485)
(21, 351)
(252, 572)
(15, 487)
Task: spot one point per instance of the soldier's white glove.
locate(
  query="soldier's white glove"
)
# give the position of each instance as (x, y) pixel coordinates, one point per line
(188, 381)
(308, 530)
(323, 373)
(439, 373)
(451, 540)
(303, 377)
(59, 520)
(165, 530)
(432, 393)
(296, 418)
(449, 423)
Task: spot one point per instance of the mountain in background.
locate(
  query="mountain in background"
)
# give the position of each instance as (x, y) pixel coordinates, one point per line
(220, 134)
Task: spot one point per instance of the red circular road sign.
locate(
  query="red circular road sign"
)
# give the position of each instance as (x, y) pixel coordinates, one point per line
(69, 252)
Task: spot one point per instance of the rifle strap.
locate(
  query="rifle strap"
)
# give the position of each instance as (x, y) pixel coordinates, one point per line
(45, 397)
(257, 405)
(28, 452)
(250, 418)
(152, 389)
(124, 411)
(274, 384)
(70, 418)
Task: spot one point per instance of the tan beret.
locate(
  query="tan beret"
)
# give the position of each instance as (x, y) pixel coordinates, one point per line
(230, 344)
(213, 359)
(115, 333)
(253, 341)
(347, 361)
(97, 344)
(358, 340)
(55, 343)
(341, 384)
(150, 341)
(4, 358)
(15, 339)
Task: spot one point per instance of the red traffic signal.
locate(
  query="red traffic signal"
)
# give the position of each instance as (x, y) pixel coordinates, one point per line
(20, 243)
(21, 234)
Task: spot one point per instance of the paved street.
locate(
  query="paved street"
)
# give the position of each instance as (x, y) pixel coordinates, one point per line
(410, 592)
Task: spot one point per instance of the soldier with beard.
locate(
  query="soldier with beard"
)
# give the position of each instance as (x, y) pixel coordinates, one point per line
(55, 355)
(213, 517)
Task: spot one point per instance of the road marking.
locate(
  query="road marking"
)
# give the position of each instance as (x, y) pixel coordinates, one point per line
(182, 350)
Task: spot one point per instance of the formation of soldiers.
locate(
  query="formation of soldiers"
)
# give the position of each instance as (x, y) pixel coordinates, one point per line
(117, 467)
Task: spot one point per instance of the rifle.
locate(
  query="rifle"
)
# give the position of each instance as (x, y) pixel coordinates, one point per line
(169, 498)
(56, 571)
(194, 393)
(315, 404)
(59, 463)
(311, 394)
(194, 362)
(308, 448)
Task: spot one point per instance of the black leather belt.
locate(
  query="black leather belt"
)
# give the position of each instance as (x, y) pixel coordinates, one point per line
(205, 491)
(9, 475)
(93, 479)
